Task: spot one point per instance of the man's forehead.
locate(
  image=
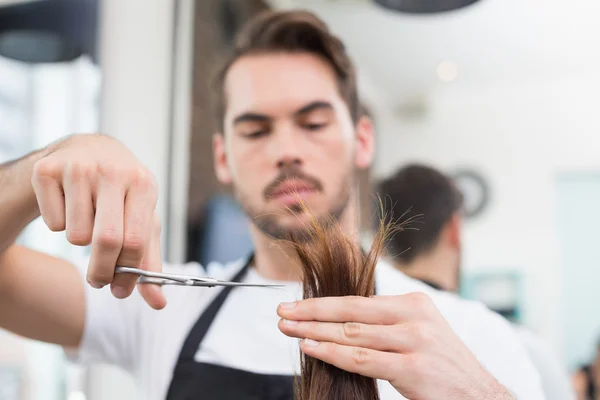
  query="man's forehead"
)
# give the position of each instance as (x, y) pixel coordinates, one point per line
(278, 81)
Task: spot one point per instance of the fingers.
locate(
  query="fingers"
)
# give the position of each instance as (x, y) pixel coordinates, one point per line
(78, 205)
(366, 310)
(153, 294)
(379, 310)
(368, 362)
(394, 338)
(140, 201)
(107, 237)
(49, 193)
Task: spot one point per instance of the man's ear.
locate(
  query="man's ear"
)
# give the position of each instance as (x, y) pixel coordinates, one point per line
(453, 228)
(220, 159)
(365, 142)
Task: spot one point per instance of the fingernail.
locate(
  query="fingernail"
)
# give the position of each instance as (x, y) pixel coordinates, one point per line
(290, 322)
(310, 343)
(288, 305)
(119, 292)
(95, 285)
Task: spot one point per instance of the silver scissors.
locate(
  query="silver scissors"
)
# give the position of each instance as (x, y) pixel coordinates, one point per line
(160, 278)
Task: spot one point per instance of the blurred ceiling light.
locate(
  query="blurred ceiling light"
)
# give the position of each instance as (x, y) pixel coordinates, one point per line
(447, 71)
(424, 6)
(48, 31)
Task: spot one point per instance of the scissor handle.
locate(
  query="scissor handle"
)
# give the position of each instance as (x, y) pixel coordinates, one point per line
(161, 275)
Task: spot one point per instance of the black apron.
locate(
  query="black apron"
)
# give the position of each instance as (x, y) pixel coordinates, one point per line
(194, 380)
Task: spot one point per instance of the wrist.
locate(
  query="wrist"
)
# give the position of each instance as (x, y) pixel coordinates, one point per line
(18, 203)
(19, 177)
(490, 389)
(497, 391)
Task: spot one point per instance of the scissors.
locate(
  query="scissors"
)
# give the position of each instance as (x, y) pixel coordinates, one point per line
(160, 278)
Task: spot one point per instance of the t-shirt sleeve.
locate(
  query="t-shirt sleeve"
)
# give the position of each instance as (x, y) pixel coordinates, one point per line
(554, 375)
(111, 333)
(503, 354)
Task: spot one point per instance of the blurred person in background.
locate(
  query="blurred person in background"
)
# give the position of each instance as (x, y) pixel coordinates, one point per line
(586, 380)
(288, 113)
(431, 251)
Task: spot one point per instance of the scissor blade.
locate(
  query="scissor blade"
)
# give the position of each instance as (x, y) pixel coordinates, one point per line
(227, 283)
(159, 278)
(191, 282)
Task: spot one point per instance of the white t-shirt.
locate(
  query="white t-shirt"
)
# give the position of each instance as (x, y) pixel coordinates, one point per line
(244, 335)
(554, 377)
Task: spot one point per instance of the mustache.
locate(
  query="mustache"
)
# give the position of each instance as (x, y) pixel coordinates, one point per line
(288, 173)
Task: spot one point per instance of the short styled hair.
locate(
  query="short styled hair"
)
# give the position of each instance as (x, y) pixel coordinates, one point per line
(293, 31)
(423, 192)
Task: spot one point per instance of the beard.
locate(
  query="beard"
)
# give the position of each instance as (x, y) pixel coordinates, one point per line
(269, 224)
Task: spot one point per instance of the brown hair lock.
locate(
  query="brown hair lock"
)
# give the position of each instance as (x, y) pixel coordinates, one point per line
(334, 265)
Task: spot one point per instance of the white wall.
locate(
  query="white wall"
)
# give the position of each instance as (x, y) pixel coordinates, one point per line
(519, 136)
(57, 100)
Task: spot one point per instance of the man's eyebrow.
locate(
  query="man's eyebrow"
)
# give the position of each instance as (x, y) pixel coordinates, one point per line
(257, 117)
(251, 117)
(315, 105)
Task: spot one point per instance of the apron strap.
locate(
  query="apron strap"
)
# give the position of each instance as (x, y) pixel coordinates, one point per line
(200, 329)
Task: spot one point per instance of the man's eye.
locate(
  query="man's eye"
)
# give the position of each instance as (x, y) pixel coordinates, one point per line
(256, 134)
(314, 127)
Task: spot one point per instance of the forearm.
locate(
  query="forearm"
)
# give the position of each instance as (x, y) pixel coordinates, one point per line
(18, 205)
(41, 297)
(498, 392)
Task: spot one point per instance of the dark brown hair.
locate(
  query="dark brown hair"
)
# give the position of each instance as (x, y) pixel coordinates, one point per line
(333, 264)
(290, 32)
(420, 190)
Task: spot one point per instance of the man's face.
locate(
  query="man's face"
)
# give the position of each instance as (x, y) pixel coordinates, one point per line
(288, 138)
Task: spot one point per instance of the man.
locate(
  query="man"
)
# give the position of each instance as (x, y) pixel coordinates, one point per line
(432, 252)
(290, 125)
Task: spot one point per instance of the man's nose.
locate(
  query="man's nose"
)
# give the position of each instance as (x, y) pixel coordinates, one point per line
(288, 149)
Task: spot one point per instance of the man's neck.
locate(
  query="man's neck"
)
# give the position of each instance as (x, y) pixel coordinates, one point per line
(278, 261)
(437, 268)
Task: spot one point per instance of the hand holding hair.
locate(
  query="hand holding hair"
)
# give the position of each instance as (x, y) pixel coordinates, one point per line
(401, 339)
(351, 338)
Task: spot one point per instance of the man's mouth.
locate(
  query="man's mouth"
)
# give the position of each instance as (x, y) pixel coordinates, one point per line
(292, 191)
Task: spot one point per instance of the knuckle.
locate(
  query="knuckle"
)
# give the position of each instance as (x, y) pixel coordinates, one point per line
(139, 177)
(79, 238)
(75, 170)
(360, 356)
(352, 330)
(110, 240)
(45, 168)
(55, 224)
(134, 243)
(143, 179)
(419, 300)
(422, 334)
(108, 171)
